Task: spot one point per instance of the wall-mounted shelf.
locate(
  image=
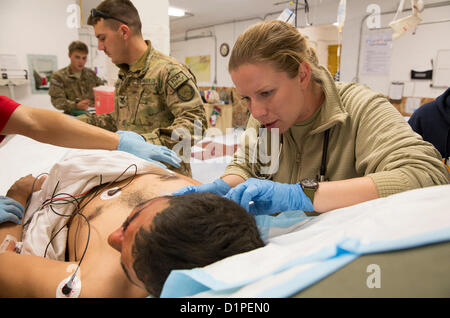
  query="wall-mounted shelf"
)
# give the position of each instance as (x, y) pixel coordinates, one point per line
(12, 78)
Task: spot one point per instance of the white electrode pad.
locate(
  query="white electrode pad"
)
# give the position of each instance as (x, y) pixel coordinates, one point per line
(76, 284)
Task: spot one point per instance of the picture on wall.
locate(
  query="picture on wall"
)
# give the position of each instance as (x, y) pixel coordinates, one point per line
(200, 66)
(41, 68)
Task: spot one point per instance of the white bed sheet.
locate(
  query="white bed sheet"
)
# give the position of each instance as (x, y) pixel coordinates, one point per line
(20, 156)
(315, 247)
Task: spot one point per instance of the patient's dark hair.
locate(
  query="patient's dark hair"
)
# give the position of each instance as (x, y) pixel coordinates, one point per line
(196, 230)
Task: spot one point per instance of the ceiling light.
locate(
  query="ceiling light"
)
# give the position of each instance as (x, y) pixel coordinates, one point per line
(175, 12)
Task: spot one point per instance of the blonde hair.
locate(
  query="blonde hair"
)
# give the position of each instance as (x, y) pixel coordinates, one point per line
(276, 42)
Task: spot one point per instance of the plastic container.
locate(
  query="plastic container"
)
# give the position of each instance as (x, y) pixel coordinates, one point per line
(104, 99)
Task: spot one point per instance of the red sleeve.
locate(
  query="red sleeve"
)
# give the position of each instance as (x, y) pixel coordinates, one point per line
(7, 107)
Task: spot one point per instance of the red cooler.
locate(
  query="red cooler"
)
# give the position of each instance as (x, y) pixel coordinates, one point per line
(104, 100)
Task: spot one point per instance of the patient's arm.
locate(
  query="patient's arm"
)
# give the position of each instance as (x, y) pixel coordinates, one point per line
(26, 275)
(20, 191)
(30, 276)
(24, 187)
(33, 276)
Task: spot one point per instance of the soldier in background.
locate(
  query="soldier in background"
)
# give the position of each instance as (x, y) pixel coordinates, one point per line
(71, 88)
(154, 94)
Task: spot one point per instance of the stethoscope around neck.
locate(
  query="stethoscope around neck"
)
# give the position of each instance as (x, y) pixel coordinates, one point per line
(323, 168)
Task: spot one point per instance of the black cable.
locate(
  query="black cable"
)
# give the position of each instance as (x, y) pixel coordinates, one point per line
(97, 190)
(62, 215)
(324, 153)
(67, 288)
(296, 12)
(32, 190)
(79, 208)
(27, 204)
(134, 176)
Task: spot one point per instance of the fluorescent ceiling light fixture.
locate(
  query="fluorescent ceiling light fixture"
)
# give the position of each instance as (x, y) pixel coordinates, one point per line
(175, 12)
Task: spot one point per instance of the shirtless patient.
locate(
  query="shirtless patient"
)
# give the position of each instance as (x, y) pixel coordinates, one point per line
(131, 258)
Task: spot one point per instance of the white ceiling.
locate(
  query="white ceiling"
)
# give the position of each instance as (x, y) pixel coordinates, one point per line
(212, 12)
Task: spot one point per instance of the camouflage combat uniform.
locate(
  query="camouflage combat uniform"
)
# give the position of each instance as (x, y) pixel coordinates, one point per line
(153, 97)
(66, 89)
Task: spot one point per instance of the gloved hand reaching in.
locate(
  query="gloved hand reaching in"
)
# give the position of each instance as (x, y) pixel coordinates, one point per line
(135, 144)
(218, 187)
(10, 210)
(269, 197)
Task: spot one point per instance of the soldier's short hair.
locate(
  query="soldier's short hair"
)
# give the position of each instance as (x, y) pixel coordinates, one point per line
(122, 10)
(78, 46)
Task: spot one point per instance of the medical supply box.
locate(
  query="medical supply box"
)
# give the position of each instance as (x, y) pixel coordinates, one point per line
(104, 99)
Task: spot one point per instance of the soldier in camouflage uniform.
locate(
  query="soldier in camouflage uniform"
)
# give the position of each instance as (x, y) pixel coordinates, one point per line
(71, 88)
(155, 94)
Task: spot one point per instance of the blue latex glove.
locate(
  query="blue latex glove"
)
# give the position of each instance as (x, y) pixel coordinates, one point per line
(10, 210)
(269, 197)
(218, 187)
(135, 144)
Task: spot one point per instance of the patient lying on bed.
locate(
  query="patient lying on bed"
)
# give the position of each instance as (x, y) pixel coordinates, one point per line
(136, 238)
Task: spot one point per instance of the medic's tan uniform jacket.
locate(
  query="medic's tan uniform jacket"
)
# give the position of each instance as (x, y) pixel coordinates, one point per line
(153, 97)
(368, 137)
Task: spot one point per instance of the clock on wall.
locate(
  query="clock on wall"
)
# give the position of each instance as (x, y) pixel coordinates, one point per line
(224, 49)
